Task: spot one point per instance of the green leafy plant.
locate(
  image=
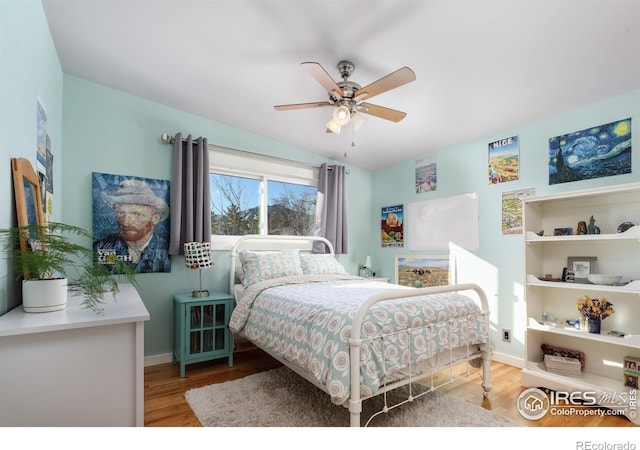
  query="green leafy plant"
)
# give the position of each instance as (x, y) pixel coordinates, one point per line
(53, 250)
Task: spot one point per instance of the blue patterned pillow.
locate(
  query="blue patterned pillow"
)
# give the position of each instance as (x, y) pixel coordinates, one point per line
(260, 266)
(321, 263)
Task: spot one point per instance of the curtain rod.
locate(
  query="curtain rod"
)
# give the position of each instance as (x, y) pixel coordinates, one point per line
(171, 139)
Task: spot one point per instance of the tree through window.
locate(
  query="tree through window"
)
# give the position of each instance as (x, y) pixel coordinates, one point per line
(238, 203)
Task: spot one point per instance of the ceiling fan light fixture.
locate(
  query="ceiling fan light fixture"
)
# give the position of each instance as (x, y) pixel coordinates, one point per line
(341, 115)
(357, 121)
(333, 126)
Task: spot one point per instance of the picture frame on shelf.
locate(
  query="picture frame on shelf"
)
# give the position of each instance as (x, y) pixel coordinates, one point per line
(563, 231)
(582, 266)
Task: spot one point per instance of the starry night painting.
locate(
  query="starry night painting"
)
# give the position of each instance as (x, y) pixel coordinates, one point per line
(596, 152)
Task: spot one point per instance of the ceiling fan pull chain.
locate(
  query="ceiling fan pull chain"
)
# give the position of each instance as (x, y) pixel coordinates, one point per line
(353, 136)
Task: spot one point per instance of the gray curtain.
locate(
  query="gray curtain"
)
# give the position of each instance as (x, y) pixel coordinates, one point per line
(331, 208)
(190, 195)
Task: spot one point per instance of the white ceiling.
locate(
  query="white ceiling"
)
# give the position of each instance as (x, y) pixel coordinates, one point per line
(481, 66)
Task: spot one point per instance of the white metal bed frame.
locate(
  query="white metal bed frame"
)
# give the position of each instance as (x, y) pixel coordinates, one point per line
(354, 403)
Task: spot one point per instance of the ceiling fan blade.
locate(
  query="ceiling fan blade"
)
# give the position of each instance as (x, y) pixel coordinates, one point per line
(382, 112)
(317, 71)
(393, 80)
(301, 106)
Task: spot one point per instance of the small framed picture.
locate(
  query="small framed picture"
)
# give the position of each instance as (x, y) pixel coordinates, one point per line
(422, 270)
(582, 266)
(563, 231)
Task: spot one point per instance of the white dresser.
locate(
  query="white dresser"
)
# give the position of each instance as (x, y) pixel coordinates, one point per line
(74, 367)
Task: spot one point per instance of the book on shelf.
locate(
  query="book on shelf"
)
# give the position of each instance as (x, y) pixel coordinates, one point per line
(562, 365)
(631, 371)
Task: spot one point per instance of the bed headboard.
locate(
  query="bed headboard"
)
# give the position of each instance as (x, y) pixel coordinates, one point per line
(271, 242)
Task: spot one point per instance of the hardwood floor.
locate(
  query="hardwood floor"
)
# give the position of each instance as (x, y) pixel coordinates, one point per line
(165, 405)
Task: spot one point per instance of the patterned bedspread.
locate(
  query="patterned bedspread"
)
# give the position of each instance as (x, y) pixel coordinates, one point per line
(307, 318)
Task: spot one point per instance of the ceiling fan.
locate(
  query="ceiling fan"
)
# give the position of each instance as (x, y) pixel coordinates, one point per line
(348, 97)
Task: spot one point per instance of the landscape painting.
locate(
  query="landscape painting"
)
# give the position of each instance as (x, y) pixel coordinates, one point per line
(422, 270)
(504, 160)
(596, 152)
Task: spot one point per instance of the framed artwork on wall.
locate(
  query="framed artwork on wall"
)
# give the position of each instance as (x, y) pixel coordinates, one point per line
(131, 221)
(422, 270)
(600, 151)
(504, 160)
(391, 226)
(512, 210)
(426, 174)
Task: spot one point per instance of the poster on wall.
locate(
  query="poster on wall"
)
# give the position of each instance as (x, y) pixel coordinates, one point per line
(41, 139)
(422, 270)
(504, 160)
(48, 185)
(391, 226)
(130, 222)
(44, 161)
(426, 174)
(512, 210)
(596, 152)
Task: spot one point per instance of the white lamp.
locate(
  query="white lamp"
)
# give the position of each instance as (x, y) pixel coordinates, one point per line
(197, 255)
(367, 265)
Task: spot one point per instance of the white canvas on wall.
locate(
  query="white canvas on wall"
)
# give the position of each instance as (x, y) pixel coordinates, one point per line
(433, 224)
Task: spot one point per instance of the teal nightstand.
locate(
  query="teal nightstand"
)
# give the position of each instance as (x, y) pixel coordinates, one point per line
(201, 328)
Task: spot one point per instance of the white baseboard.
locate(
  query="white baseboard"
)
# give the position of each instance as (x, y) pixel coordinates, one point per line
(158, 359)
(508, 360)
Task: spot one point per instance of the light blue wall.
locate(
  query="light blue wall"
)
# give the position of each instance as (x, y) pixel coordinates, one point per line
(463, 169)
(29, 70)
(109, 131)
(113, 132)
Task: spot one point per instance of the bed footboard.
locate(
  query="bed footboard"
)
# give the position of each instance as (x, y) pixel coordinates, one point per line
(355, 342)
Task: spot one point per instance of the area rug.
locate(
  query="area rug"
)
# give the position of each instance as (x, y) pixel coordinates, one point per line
(281, 398)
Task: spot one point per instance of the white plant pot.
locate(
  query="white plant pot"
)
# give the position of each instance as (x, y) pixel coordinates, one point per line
(44, 295)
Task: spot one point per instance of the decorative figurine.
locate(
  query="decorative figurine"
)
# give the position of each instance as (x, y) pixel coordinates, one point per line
(582, 227)
(624, 226)
(592, 228)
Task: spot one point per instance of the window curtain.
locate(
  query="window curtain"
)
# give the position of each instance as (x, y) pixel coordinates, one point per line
(331, 209)
(190, 195)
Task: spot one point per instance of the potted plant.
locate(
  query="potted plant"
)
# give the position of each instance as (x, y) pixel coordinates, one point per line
(50, 260)
(595, 310)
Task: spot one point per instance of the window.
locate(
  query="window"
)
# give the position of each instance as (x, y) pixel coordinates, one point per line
(291, 208)
(255, 194)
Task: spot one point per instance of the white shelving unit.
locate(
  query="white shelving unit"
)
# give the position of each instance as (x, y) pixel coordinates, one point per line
(616, 253)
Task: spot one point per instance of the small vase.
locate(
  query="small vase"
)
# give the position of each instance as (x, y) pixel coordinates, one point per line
(594, 325)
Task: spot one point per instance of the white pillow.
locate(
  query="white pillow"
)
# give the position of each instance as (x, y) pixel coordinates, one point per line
(239, 275)
(260, 266)
(321, 263)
